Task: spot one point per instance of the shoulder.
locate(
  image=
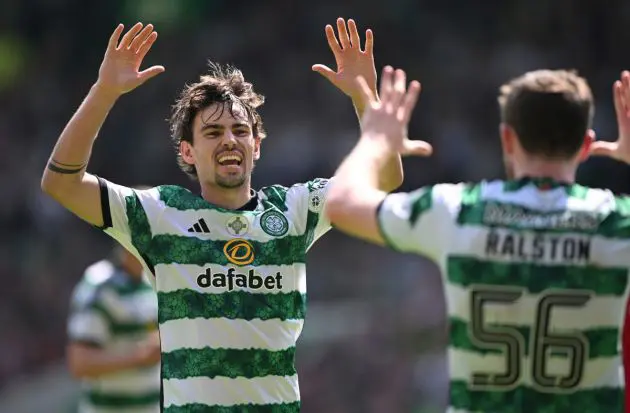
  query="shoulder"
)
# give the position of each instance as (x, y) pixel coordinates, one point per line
(178, 197)
(284, 197)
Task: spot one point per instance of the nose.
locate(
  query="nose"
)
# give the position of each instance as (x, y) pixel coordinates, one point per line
(229, 139)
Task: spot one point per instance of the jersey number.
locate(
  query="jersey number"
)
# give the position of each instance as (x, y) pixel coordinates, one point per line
(512, 342)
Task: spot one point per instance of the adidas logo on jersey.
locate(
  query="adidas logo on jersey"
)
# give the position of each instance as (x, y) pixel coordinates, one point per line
(200, 227)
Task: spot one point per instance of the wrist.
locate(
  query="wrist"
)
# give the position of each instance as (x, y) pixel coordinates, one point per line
(358, 103)
(105, 92)
(380, 142)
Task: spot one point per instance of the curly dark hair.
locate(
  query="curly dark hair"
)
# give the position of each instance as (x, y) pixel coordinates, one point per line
(224, 85)
(550, 111)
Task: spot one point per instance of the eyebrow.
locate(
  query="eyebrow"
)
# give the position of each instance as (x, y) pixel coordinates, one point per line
(215, 126)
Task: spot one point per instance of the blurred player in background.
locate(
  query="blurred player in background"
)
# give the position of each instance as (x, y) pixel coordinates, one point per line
(626, 353)
(114, 346)
(228, 263)
(536, 267)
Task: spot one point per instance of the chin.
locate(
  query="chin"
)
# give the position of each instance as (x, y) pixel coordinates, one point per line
(231, 181)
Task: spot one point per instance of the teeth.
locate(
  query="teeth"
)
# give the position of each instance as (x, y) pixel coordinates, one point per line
(225, 158)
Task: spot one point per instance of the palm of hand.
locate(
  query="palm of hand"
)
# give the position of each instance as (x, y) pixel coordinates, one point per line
(120, 70)
(351, 61)
(350, 67)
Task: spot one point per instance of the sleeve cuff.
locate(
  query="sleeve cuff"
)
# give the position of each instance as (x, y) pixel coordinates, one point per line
(107, 213)
(388, 241)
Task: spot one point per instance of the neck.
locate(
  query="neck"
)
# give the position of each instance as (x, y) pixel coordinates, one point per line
(561, 171)
(228, 198)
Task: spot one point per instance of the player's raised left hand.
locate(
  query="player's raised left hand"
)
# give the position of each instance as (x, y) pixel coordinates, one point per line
(350, 59)
(388, 118)
(619, 150)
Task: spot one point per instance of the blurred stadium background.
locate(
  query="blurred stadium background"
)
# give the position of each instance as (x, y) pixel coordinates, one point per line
(375, 332)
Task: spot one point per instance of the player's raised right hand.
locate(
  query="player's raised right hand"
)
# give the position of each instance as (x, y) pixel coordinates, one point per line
(389, 117)
(120, 71)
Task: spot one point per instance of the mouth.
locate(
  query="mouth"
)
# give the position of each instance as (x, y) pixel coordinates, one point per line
(231, 158)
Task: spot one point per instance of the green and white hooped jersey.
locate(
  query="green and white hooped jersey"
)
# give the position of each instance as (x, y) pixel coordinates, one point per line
(536, 281)
(115, 312)
(231, 288)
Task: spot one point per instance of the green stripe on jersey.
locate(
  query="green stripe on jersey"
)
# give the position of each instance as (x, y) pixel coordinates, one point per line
(527, 400)
(277, 196)
(421, 202)
(176, 249)
(465, 271)
(239, 408)
(122, 400)
(232, 363)
(138, 222)
(602, 342)
(232, 305)
(183, 200)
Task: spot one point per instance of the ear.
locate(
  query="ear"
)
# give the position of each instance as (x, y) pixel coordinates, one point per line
(587, 142)
(186, 150)
(257, 142)
(508, 137)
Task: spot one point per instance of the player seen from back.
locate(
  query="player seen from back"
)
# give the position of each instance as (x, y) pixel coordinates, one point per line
(228, 263)
(113, 343)
(535, 267)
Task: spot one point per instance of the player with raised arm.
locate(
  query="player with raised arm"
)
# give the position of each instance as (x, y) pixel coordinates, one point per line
(113, 343)
(228, 264)
(535, 267)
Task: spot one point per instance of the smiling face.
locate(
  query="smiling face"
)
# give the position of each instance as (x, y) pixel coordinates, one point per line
(223, 148)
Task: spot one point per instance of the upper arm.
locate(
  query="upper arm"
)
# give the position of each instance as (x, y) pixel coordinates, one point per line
(82, 199)
(421, 221)
(417, 222)
(355, 213)
(309, 200)
(126, 213)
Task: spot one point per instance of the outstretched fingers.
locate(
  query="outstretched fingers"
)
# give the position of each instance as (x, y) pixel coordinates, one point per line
(369, 42)
(129, 36)
(115, 37)
(146, 45)
(386, 84)
(355, 40)
(342, 31)
(333, 43)
(410, 100)
(137, 41)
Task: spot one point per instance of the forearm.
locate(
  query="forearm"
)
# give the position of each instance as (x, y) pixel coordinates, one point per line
(355, 194)
(391, 175)
(363, 168)
(88, 362)
(71, 153)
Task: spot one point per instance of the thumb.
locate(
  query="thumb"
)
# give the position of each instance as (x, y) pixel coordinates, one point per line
(150, 73)
(416, 148)
(325, 71)
(603, 148)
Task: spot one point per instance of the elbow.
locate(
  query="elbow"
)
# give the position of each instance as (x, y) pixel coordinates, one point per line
(55, 186)
(76, 369)
(334, 208)
(48, 184)
(393, 182)
(76, 362)
(45, 185)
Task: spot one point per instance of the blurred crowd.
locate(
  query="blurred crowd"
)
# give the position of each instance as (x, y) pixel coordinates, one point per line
(50, 51)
